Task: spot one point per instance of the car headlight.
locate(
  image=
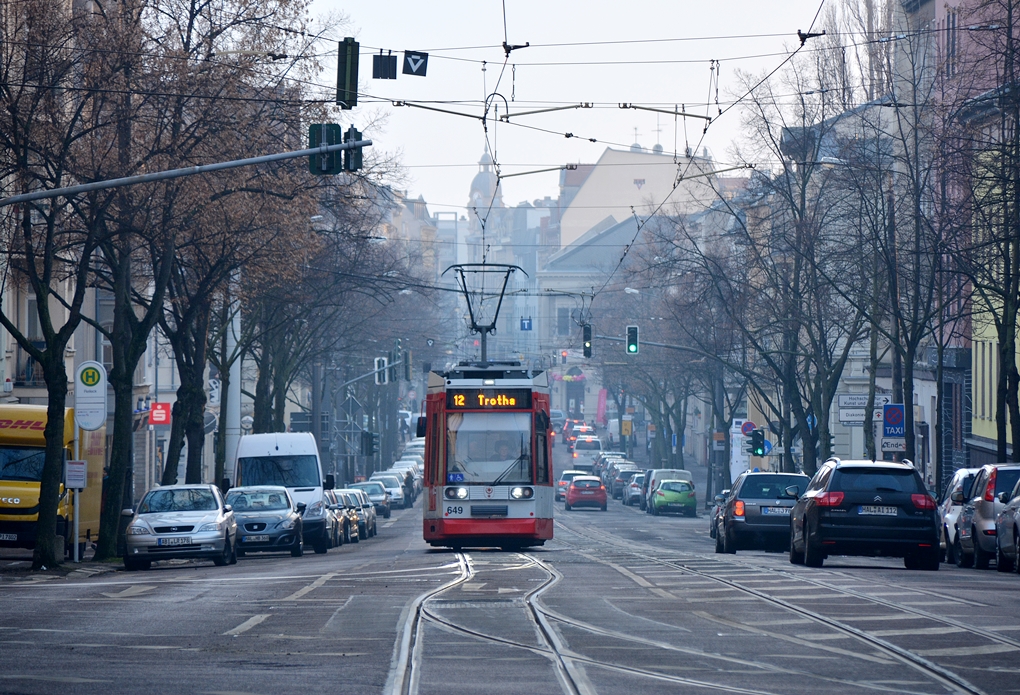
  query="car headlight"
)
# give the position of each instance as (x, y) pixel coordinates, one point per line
(456, 493)
(213, 526)
(522, 493)
(139, 530)
(287, 523)
(316, 509)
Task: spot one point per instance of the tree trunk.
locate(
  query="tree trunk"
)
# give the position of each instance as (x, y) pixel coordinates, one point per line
(49, 551)
(120, 457)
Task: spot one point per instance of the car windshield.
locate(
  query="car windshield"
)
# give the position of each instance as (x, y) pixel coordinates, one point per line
(371, 488)
(587, 445)
(586, 483)
(637, 479)
(877, 480)
(287, 471)
(21, 464)
(675, 486)
(569, 476)
(180, 500)
(771, 486)
(257, 500)
(388, 481)
(488, 448)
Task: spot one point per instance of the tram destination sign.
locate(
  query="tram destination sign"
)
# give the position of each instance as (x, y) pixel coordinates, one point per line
(488, 399)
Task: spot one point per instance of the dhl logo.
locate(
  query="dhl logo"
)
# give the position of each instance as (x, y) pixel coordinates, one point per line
(37, 425)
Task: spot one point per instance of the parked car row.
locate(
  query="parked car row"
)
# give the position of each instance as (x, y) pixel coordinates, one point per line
(200, 522)
(980, 517)
(611, 475)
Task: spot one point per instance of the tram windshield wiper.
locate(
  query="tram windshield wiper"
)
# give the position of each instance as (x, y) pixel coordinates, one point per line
(520, 460)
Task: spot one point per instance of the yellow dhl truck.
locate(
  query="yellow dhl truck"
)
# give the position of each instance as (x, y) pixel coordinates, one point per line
(22, 450)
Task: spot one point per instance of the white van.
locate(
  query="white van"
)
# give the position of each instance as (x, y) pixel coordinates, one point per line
(652, 479)
(290, 459)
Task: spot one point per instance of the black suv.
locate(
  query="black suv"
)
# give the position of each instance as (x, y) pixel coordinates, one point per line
(865, 508)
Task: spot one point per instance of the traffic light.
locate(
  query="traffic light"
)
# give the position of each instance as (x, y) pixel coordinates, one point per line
(587, 340)
(366, 443)
(352, 158)
(375, 443)
(758, 443)
(407, 365)
(393, 366)
(381, 372)
(330, 162)
(632, 340)
(563, 357)
(347, 74)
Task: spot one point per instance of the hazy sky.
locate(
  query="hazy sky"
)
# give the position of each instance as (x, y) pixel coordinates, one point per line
(648, 53)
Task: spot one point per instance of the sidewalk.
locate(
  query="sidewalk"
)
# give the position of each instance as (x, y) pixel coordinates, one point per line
(16, 563)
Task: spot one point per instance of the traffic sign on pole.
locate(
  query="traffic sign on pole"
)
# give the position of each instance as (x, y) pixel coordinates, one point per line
(90, 396)
(892, 420)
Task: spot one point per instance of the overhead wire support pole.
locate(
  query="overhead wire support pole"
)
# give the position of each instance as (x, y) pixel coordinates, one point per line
(433, 108)
(179, 173)
(674, 112)
(507, 116)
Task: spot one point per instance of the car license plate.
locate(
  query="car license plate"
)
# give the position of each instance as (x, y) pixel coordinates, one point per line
(776, 511)
(254, 539)
(878, 511)
(173, 541)
(587, 492)
(8, 536)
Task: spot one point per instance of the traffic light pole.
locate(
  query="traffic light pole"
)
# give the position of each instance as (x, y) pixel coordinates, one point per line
(179, 173)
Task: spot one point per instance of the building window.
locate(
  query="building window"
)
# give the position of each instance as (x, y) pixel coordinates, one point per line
(563, 321)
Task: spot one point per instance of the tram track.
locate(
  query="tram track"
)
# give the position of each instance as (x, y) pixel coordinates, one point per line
(930, 669)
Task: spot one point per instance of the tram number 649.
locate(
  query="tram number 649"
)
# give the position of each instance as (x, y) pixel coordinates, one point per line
(455, 510)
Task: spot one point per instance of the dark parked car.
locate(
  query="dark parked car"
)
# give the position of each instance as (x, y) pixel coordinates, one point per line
(865, 508)
(267, 520)
(755, 515)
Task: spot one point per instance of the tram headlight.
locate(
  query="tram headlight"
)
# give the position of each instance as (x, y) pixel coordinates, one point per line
(522, 493)
(456, 493)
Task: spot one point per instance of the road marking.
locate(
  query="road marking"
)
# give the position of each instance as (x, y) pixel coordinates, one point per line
(48, 679)
(311, 587)
(131, 591)
(967, 651)
(247, 624)
(472, 586)
(917, 631)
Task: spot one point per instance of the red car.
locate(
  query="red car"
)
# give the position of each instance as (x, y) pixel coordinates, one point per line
(585, 491)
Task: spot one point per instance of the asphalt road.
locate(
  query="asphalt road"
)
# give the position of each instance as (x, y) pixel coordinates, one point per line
(619, 602)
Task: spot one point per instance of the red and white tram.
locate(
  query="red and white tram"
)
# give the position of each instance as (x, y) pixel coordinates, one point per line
(488, 462)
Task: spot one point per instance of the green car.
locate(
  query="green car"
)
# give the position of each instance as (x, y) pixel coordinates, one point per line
(674, 496)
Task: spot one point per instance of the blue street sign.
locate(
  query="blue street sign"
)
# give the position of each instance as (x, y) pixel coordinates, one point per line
(768, 447)
(892, 420)
(525, 324)
(812, 422)
(674, 440)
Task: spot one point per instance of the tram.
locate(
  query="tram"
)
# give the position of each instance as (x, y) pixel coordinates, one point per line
(488, 457)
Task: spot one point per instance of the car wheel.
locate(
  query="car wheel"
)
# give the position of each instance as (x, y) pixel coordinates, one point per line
(718, 543)
(812, 554)
(962, 559)
(982, 559)
(321, 545)
(356, 535)
(796, 558)
(566, 507)
(1002, 563)
(387, 513)
(238, 552)
(950, 547)
(133, 564)
(1016, 550)
(711, 529)
(654, 510)
(729, 544)
(605, 507)
(233, 552)
(224, 558)
(298, 549)
(930, 561)
(910, 561)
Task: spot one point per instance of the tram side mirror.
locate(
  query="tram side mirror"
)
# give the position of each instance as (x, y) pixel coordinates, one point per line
(793, 492)
(330, 482)
(420, 427)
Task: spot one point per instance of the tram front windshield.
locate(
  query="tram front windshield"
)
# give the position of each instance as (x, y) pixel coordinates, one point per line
(488, 448)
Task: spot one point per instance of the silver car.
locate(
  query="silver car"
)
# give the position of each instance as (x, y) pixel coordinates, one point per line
(976, 525)
(950, 507)
(268, 519)
(181, 521)
(1007, 531)
(366, 512)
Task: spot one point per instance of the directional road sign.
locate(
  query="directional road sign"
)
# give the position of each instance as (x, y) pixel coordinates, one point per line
(415, 63)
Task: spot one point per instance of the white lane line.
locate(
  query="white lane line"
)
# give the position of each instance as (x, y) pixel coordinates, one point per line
(131, 591)
(311, 587)
(247, 625)
(966, 651)
(945, 629)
